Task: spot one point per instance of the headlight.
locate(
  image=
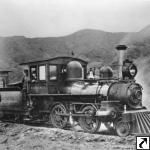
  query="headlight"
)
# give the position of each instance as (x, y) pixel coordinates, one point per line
(132, 70)
(129, 70)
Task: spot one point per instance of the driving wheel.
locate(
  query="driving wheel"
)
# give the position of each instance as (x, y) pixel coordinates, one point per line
(57, 118)
(89, 123)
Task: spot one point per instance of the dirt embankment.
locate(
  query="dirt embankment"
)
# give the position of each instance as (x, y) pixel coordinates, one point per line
(24, 137)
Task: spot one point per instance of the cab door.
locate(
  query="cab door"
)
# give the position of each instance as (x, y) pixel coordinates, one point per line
(52, 79)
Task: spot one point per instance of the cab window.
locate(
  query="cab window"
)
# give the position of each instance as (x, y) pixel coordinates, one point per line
(33, 73)
(52, 72)
(42, 72)
(1, 83)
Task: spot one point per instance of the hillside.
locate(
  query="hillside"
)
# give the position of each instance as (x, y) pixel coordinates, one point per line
(20, 49)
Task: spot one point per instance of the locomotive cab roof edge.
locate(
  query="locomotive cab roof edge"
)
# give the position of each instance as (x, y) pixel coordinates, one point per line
(54, 58)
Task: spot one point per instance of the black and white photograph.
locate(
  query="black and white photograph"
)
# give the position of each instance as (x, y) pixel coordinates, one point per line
(74, 74)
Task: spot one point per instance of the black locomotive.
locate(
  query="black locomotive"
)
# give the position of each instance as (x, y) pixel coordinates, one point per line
(59, 91)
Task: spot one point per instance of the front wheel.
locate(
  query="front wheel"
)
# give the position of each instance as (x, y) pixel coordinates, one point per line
(122, 128)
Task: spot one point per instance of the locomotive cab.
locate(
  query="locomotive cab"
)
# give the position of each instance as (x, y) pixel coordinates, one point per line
(50, 76)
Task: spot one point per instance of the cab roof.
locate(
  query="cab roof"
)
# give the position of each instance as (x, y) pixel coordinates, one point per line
(56, 60)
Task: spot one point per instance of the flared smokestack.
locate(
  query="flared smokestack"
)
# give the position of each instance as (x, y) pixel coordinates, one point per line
(121, 49)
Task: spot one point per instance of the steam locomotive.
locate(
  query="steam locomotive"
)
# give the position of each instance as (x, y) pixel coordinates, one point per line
(59, 91)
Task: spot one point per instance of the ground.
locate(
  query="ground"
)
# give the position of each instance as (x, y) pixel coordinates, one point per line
(29, 137)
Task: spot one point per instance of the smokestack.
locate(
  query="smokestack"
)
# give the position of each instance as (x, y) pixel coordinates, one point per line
(121, 49)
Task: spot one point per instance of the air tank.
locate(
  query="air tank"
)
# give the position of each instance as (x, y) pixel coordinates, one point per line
(106, 72)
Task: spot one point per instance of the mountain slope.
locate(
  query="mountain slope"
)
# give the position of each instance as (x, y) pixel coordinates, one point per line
(20, 49)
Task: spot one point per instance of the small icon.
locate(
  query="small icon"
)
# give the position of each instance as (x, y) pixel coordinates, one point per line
(143, 142)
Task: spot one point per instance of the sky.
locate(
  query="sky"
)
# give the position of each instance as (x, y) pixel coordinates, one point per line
(52, 18)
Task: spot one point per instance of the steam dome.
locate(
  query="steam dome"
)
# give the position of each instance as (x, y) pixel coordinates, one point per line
(106, 72)
(74, 71)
